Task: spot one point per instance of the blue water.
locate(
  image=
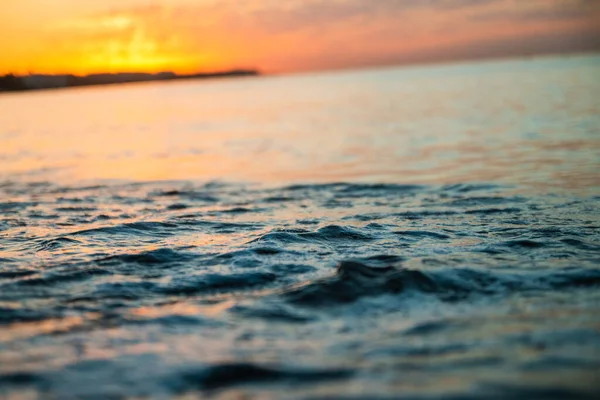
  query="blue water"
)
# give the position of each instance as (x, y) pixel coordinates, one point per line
(313, 245)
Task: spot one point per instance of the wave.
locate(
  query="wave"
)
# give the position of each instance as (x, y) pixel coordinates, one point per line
(329, 233)
(369, 285)
(354, 280)
(233, 374)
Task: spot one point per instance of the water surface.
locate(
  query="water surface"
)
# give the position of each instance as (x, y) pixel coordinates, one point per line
(427, 232)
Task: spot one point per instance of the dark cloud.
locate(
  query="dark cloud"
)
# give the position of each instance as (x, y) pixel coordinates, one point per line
(310, 13)
(277, 17)
(549, 11)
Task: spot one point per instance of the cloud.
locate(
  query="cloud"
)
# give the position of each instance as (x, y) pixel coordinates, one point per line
(312, 34)
(545, 10)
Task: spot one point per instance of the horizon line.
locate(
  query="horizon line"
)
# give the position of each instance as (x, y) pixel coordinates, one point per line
(165, 76)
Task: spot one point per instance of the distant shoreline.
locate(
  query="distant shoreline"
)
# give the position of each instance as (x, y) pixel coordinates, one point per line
(15, 83)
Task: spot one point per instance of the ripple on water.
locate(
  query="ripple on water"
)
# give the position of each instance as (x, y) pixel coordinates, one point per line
(319, 288)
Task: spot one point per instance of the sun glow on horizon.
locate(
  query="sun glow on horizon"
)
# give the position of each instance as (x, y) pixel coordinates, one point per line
(186, 36)
(124, 43)
(108, 43)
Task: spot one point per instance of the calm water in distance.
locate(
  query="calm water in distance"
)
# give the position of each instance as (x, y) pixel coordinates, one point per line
(529, 122)
(423, 232)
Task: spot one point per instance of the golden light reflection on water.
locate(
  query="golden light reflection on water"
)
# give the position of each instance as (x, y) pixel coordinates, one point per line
(182, 309)
(532, 123)
(49, 326)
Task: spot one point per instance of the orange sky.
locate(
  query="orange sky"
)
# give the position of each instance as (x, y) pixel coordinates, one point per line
(76, 36)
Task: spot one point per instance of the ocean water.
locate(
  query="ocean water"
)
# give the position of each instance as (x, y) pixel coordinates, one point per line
(424, 232)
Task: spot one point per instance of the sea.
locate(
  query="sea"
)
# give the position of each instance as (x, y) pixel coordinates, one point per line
(421, 232)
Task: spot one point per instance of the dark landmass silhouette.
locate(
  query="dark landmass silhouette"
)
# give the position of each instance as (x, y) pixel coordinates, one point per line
(11, 83)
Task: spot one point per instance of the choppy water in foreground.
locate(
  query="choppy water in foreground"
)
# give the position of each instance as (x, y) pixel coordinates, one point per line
(470, 281)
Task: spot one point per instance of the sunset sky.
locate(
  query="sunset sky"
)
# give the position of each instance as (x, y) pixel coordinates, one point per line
(76, 36)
